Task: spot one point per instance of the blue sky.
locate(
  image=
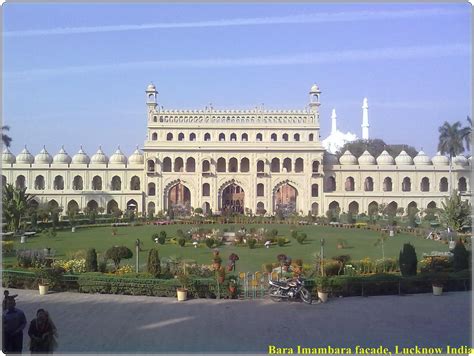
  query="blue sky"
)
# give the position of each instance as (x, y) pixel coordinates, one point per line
(76, 74)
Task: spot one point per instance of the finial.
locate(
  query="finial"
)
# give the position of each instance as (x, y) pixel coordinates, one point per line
(333, 114)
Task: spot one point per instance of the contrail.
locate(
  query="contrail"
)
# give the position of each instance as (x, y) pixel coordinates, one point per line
(291, 19)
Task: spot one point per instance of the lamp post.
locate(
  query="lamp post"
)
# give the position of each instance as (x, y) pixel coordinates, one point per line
(321, 253)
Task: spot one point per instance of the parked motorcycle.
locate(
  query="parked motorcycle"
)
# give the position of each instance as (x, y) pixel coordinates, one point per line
(292, 289)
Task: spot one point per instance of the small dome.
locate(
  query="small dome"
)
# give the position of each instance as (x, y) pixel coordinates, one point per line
(136, 158)
(366, 158)
(348, 158)
(460, 160)
(81, 157)
(385, 159)
(440, 160)
(330, 159)
(118, 157)
(8, 157)
(25, 157)
(151, 87)
(62, 157)
(314, 89)
(403, 159)
(422, 159)
(43, 157)
(99, 157)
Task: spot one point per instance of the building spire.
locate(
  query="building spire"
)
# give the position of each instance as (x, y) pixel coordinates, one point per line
(365, 119)
(333, 121)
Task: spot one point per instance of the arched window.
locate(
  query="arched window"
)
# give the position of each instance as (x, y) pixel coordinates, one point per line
(443, 184)
(97, 183)
(311, 137)
(406, 184)
(425, 184)
(206, 190)
(77, 183)
(431, 205)
(369, 184)
(245, 137)
(221, 165)
(207, 136)
(233, 137)
(151, 189)
(330, 185)
(299, 165)
(260, 190)
(169, 136)
(178, 164)
(221, 137)
(315, 166)
(154, 136)
(275, 165)
(274, 137)
(261, 208)
(39, 183)
(135, 183)
(462, 184)
(349, 185)
(314, 190)
(233, 165)
(259, 137)
(72, 206)
(354, 208)
(387, 184)
(287, 165)
(116, 183)
(244, 165)
(260, 166)
(166, 164)
(296, 137)
(58, 183)
(192, 136)
(334, 206)
(206, 166)
(20, 182)
(151, 165)
(181, 136)
(190, 165)
(285, 137)
(315, 209)
(151, 209)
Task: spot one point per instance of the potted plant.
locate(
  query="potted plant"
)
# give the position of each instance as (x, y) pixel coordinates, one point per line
(48, 278)
(322, 285)
(437, 283)
(182, 292)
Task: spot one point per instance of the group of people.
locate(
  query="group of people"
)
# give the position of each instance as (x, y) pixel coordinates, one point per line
(42, 331)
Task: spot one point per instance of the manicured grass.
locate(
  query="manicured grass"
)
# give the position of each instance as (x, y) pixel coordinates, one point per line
(361, 244)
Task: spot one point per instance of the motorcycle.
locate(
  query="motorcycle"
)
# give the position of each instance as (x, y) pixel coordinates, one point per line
(293, 289)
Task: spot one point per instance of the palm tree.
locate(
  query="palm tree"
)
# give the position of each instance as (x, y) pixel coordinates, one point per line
(5, 138)
(15, 205)
(466, 134)
(451, 142)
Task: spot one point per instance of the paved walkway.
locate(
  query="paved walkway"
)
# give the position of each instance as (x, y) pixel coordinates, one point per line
(113, 323)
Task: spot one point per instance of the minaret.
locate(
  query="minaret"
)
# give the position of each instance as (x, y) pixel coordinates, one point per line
(333, 121)
(365, 120)
(314, 103)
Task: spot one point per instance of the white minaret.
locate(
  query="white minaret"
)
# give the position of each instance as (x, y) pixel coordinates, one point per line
(333, 121)
(365, 120)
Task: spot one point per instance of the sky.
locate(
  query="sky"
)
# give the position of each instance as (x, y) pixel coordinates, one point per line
(75, 74)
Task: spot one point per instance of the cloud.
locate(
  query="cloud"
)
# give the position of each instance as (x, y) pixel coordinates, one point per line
(326, 17)
(340, 56)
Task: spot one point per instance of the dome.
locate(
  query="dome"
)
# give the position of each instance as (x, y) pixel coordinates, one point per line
(151, 87)
(25, 157)
(8, 157)
(118, 157)
(62, 157)
(136, 157)
(43, 157)
(81, 157)
(460, 160)
(385, 159)
(314, 89)
(366, 158)
(440, 160)
(99, 157)
(348, 158)
(422, 159)
(330, 159)
(403, 159)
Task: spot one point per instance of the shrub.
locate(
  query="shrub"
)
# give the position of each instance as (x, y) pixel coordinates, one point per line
(154, 263)
(181, 241)
(117, 253)
(294, 234)
(408, 260)
(154, 237)
(281, 241)
(102, 266)
(301, 238)
(180, 233)
(91, 260)
(460, 257)
(51, 232)
(31, 258)
(198, 211)
(7, 248)
(162, 239)
(74, 266)
(163, 234)
(124, 269)
(251, 243)
(210, 242)
(274, 232)
(267, 267)
(331, 268)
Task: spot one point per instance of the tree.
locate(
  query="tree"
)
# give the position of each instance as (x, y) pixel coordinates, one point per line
(15, 205)
(5, 138)
(408, 260)
(117, 253)
(154, 264)
(466, 134)
(456, 213)
(91, 260)
(460, 257)
(450, 142)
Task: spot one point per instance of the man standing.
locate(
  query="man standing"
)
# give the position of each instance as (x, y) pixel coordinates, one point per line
(14, 321)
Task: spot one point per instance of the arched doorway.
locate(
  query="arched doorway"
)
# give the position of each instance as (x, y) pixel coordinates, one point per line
(315, 209)
(233, 198)
(354, 208)
(72, 207)
(206, 208)
(284, 199)
(132, 205)
(92, 205)
(179, 199)
(112, 206)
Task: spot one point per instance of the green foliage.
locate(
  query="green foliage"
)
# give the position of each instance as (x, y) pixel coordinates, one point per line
(273, 232)
(91, 260)
(461, 257)
(50, 276)
(15, 203)
(281, 241)
(456, 213)
(181, 241)
(162, 239)
(210, 242)
(301, 238)
(154, 237)
(154, 263)
(163, 234)
(251, 243)
(102, 266)
(294, 234)
(408, 260)
(117, 253)
(451, 139)
(198, 211)
(375, 147)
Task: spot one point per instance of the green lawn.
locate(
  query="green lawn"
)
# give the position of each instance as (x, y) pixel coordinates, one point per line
(361, 244)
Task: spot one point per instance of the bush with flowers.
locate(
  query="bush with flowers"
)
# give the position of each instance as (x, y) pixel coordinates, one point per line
(125, 269)
(71, 266)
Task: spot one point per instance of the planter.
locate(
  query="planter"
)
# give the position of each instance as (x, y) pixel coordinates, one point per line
(437, 290)
(43, 289)
(323, 296)
(182, 294)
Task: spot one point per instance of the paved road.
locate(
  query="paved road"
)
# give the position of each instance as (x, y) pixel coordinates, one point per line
(113, 323)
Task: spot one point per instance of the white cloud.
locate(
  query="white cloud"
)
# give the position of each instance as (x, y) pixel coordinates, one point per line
(325, 17)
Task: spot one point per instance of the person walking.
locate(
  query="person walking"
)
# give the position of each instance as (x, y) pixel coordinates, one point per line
(6, 294)
(43, 333)
(14, 321)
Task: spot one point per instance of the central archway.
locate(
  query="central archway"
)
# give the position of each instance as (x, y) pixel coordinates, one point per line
(284, 199)
(233, 199)
(179, 199)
